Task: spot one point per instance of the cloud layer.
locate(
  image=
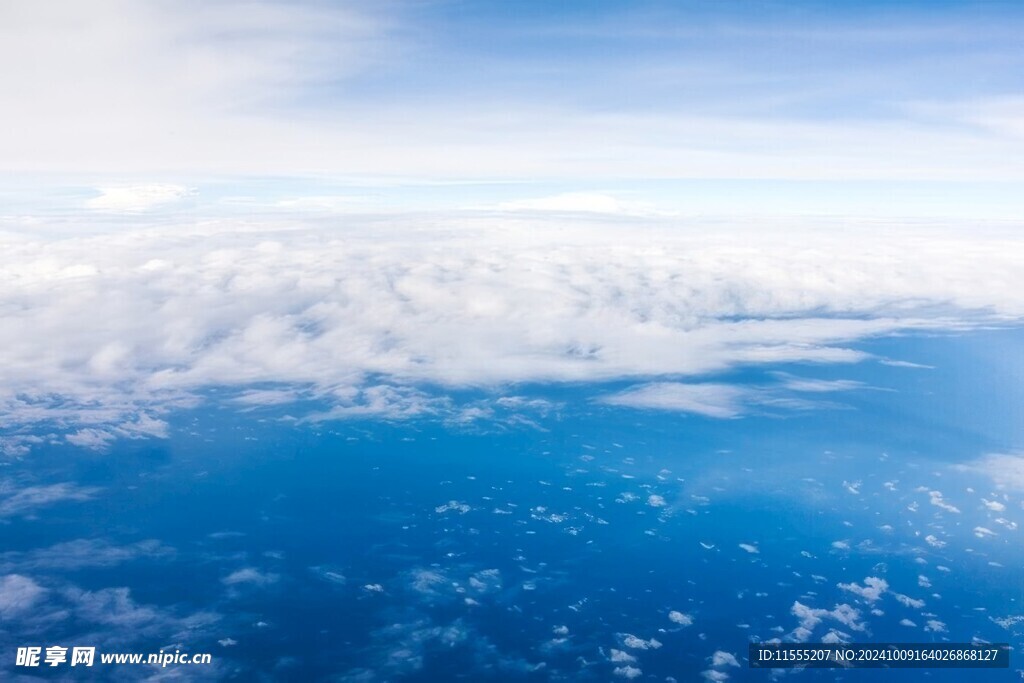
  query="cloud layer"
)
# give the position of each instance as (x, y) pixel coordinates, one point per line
(366, 313)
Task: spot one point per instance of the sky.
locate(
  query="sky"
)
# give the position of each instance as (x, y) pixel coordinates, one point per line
(895, 107)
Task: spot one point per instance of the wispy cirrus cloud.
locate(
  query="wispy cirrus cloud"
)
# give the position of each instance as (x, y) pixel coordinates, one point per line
(710, 400)
(25, 500)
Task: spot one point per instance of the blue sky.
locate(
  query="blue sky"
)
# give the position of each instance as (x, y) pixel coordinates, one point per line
(903, 103)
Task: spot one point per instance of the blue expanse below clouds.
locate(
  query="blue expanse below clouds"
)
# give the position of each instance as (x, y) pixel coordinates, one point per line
(558, 538)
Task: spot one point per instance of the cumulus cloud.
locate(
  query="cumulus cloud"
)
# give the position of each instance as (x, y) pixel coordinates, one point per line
(680, 618)
(378, 317)
(908, 601)
(636, 643)
(811, 617)
(723, 658)
(141, 427)
(872, 589)
(627, 672)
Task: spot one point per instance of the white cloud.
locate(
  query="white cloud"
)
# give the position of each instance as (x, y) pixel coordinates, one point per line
(627, 672)
(18, 594)
(908, 601)
(15, 500)
(427, 581)
(452, 506)
(833, 636)
(680, 618)
(575, 202)
(811, 617)
(872, 589)
(936, 499)
(141, 427)
(905, 364)
(723, 658)
(818, 386)
(361, 319)
(93, 439)
(710, 400)
(82, 553)
(1005, 469)
(112, 606)
(631, 641)
(134, 198)
(267, 397)
(250, 576)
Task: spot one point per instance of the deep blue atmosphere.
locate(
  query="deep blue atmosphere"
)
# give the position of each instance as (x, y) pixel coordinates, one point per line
(582, 541)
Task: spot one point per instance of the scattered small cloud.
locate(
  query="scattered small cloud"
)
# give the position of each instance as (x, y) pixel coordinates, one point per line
(871, 591)
(636, 643)
(680, 618)
(250, 576)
